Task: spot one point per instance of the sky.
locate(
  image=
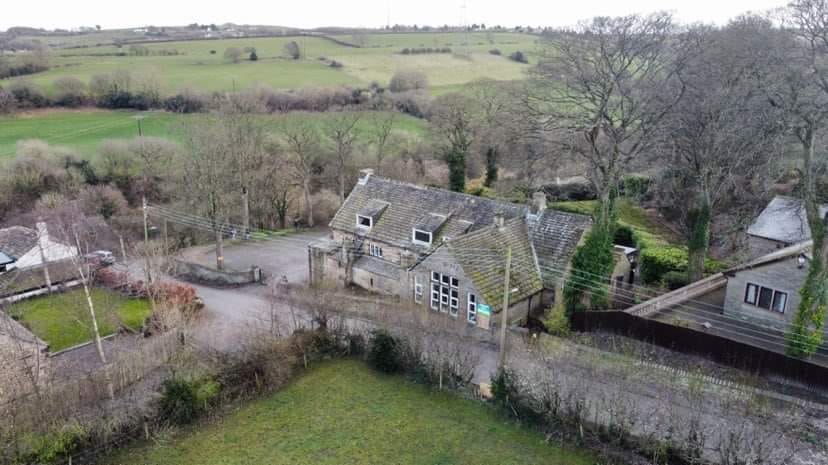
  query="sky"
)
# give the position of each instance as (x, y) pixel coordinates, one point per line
(72, 14)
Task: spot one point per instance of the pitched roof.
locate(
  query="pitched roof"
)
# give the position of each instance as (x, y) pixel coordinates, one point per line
(17, 240)
(482, 255)
(411, 205)
(377, 266)
(784, 220)
(555, 236)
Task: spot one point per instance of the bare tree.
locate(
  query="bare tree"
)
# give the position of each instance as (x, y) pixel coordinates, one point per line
(302, 152)
(606, 87)
(794, 76)
(454, 123)
(206, 178)
(341, 129)
(381, 125)
(720, 136)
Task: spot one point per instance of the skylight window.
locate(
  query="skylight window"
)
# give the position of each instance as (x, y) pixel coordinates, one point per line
(364, 221)
(420, 237)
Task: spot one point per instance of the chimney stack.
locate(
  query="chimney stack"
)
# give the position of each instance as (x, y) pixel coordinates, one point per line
(499, 220)
(364, 174)
(538, 202)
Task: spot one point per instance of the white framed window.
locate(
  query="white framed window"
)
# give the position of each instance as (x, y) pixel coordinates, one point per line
(435, 296)
(420, 237)
(418, 290)
(364, 222)
(454, 302)
(471, 308)
(375, 250)
(765, 297)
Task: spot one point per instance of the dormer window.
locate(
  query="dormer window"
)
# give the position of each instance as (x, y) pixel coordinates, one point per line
(364, 221)
(420, 237)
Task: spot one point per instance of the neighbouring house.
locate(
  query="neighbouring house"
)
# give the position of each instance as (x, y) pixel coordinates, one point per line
(781, 224)
(23, 247)
(31, 259)
(446, 251)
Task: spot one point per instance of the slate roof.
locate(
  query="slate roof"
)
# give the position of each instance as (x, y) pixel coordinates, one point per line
(409, 205)
(555, 236)
(482, 255)
(17, 240)
(377, 266)
(784, 220)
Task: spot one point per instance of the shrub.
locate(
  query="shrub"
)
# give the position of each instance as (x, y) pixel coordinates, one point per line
(495, 51)
(636, 186)
(556, 322)
(624, 235)
(27, 95)
(179, 403)
(7, 102)
(674, 280)
(70, 92)
(253, 56)
(414, 103)
(52, 447)
(292, 50)
(656, 262)
(519, 56)
(403, 81)
(591, 261)
(185, 102)
(571, 191)
(102, 200)
(504, 388)
(212, 52)
(335, 64)
(233, 54)
(385, 352)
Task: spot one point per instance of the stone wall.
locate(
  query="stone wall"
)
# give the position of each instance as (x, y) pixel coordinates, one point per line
(202, 274)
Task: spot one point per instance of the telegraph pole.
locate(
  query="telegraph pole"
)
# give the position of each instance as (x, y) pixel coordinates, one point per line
(504, 320)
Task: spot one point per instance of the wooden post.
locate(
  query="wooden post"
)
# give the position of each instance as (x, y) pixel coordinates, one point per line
(504, 321)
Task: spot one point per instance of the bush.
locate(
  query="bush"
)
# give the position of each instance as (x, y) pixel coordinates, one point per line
(70, 92)
(495, 51)
(7, 102)
(385, 352)
(233, 54)
(179, 403)
(403, 81)
(656, 262)
(624, 235)
(292, 50)
(674, 280)
(504, 388)
(556, 323)
(571, 191)
(185, 102)
(102, 200)
(335, 64)
(635, 186)
(253, 56)
(519, 56)
(52, 447)
(27, 95)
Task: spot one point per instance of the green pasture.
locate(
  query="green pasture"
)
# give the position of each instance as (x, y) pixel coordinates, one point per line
(197, 67)
(84, 130)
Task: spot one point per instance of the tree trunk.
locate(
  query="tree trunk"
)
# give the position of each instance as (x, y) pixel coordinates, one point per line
(698, 242)
(245, 211)
(308, 204)
(219, 249)
(341, 184)
(805, 333)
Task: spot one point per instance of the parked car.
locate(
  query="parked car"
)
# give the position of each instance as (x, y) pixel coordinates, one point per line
(100, 258)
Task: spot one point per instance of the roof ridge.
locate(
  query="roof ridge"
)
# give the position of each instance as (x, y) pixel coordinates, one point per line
(447, 191)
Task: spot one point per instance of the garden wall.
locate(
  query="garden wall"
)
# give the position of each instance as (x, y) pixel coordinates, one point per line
(201, 274)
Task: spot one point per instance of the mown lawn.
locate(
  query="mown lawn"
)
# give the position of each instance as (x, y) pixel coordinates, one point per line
(84, 130)
(63, 320)
(342, 412)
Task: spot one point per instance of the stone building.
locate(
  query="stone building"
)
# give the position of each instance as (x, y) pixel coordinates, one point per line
(782, 223)
(446, 251)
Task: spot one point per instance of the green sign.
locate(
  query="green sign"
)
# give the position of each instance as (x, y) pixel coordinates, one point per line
(484, 309)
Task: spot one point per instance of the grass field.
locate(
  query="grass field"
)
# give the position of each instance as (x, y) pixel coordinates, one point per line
(196, 67)
(62, 320)
(342, 412)
(83, 130)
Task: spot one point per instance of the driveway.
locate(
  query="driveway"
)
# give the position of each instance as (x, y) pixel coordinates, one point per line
(280, 256)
